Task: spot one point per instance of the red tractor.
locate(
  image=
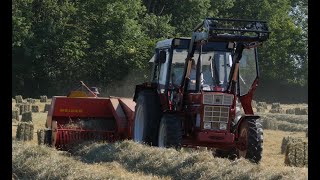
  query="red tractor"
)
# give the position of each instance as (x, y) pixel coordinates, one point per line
(201, 90)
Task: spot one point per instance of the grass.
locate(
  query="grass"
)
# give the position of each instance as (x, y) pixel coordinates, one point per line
(129, 160)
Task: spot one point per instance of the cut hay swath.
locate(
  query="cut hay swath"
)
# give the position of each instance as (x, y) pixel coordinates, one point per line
(301, 119)
(297, 154)
(284, 122)
(93, 161)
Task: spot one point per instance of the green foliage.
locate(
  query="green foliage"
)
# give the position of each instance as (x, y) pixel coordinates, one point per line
(57, 43)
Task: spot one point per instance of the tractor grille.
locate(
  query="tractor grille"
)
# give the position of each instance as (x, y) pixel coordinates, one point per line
(218, 99)
(216, 117)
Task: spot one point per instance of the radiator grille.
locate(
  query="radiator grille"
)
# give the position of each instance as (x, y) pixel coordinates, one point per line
(215, 117)
(218, 99)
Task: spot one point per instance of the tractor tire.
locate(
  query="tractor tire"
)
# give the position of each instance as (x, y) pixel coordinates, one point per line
(147, 117)
(250, 140)
(170, 132)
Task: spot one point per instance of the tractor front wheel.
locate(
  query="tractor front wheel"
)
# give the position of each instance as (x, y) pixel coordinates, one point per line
(250, 141)
(147, 118)
(170, 133)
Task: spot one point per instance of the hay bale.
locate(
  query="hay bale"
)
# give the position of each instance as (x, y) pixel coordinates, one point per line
(40, 135)
(35, 108)
(30, 100)
(43, 98)
(287, 140)
(15, 114)
(296, 154)
(290, 111)
(24, 131)
(26, 116)
(44, 137)
(261, 109)
(20, 131)
(275, 105)
(46, 107)
(301, 111)
(262, 104)
(19, 99)
(24, 107)
(277, 110)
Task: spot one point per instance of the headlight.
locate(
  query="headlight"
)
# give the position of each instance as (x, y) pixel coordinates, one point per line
(223, 126)
(207, 125)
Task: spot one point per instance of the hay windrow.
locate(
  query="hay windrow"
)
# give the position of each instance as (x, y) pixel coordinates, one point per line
(40, 162)
(175, 164)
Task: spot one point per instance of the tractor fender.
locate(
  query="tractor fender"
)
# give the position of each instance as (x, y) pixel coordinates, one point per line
(236, 128)
(144, 86)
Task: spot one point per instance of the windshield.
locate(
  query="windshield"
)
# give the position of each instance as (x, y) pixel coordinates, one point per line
(215, 68)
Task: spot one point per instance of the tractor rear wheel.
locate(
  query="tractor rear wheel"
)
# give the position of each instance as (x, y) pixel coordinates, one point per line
(147, 118)
(250, 143)
(170, 133)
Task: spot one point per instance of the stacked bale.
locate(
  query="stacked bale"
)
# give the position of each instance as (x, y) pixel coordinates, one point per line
(301, 111)
(35, 108)
(287, 140)
(296, 154)
(290, 111)
(44, 136)
(30, 100)
(24, 107)
(46, 107)
(43, 98)
(19, 99)
(275, 108)
(24, 131)
(26, 116)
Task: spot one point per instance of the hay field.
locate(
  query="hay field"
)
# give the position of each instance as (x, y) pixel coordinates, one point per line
(128, 160)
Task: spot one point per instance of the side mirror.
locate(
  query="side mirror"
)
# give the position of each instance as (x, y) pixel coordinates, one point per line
(162, 57)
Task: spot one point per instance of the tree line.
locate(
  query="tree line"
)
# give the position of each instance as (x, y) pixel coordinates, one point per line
(57, 43)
